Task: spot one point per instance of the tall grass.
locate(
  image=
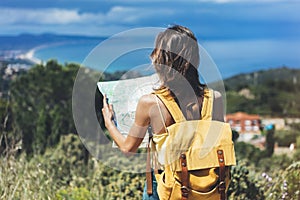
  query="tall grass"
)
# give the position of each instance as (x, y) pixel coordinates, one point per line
(60, 174)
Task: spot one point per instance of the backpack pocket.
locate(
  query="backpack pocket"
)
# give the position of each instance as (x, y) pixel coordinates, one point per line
(193, 194)
(203, 185)
(163, 189)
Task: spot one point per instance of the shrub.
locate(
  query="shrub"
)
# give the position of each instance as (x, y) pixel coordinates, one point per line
(286, 186)
(74, 194)
(244, 185)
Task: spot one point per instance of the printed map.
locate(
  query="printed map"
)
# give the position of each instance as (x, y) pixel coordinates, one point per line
(124, 95)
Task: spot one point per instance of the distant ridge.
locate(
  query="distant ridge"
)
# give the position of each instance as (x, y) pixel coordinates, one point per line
(28, 41)
(263, 77)
(274, 92)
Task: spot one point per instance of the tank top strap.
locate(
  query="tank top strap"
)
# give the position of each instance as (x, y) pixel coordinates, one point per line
(165, 96)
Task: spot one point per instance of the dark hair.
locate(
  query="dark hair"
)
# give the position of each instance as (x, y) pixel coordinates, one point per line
(176, 60)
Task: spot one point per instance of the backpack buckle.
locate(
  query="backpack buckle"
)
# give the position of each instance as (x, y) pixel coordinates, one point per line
(222, 186)
(184, 191)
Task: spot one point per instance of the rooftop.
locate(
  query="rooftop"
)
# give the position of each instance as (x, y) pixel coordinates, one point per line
(241, 116)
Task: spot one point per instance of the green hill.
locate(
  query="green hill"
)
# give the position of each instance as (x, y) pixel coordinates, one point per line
(273, 92)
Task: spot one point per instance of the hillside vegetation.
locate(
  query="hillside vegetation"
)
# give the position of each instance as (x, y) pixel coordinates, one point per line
(42, 157)
(273, 92)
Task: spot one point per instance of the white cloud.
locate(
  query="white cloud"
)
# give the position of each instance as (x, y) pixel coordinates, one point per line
(62, 20)
(41, 16)
(208, 17)
(122, 14)
(52, 16)
(135, 14)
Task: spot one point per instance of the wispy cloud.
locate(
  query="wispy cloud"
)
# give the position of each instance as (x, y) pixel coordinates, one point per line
(219, 18)
(41, 16)
(76, 21)
(117, 14)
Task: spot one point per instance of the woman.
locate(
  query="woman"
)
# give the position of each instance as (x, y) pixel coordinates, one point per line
(176, 59)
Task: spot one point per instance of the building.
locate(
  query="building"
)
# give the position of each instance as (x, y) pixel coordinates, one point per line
(279, 123)
(244, 123)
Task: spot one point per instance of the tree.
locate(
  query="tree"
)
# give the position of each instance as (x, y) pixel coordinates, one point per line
(270, 141)
(41, 105)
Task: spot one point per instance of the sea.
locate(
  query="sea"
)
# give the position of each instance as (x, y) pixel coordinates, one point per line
(85, 52)
(228, 57)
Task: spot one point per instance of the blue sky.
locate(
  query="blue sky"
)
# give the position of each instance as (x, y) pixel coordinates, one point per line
(240, 35)
(238, 19)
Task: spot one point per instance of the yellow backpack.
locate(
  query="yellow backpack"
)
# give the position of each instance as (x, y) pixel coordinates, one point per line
(195, 154)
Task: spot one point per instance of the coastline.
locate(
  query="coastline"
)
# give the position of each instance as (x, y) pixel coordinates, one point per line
(29, 55)
(230, 57)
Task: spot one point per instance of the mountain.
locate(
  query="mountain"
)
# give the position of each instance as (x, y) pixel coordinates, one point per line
(28, 41)
(273, 92)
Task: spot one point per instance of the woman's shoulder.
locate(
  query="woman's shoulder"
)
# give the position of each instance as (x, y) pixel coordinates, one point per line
(210, 93)
(217, 94)
(218, 112)
(147, 99)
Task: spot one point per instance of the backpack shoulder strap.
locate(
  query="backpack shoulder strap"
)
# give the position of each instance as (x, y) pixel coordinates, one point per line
(171, 105)
(207, 106)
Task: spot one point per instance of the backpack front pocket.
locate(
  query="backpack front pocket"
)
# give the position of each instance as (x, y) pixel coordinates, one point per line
(164, 189)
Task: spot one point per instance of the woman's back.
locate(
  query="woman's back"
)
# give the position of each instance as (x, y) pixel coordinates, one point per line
(160, 117)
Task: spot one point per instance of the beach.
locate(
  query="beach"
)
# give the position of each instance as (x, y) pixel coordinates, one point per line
(29, 55)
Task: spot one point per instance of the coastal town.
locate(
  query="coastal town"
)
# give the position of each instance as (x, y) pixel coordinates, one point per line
(13, 63)
(18, 59)
(251, 128)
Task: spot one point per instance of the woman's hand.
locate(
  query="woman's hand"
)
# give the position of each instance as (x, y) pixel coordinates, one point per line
(108, 113)
(137, 132)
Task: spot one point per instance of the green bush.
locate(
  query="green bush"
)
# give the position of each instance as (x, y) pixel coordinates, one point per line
(244, 185)
(296, 155)
(245, 150)
(274, 163)
(74, 194)
(286, 185)
(285, 138)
